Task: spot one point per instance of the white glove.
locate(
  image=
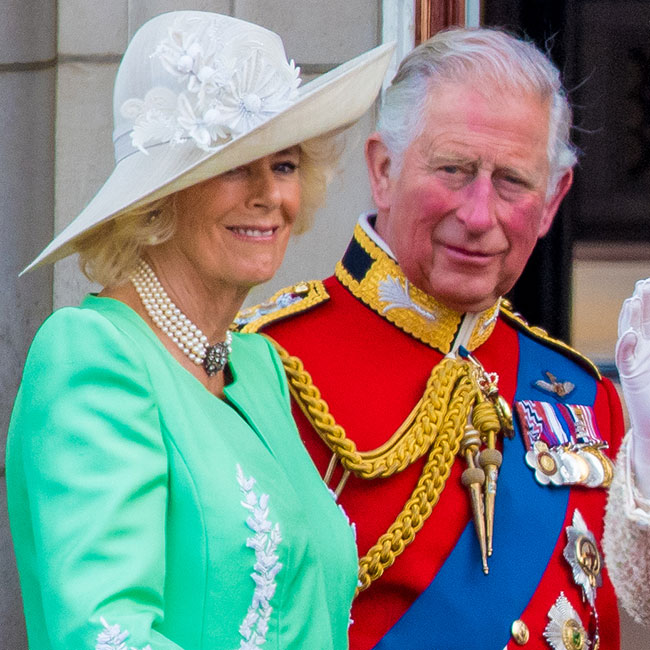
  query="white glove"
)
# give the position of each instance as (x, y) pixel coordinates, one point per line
(633, 363)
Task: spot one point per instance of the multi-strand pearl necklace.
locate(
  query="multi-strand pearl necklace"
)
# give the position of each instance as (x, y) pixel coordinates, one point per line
(192, 342)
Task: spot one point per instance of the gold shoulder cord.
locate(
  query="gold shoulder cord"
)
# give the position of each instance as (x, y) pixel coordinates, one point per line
(437, 426)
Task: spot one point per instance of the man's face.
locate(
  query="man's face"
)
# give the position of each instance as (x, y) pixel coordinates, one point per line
(463, 213)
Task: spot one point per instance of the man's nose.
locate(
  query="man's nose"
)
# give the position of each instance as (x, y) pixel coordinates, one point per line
(477, 208)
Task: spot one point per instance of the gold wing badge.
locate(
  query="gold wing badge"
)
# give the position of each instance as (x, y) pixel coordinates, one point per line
(553, 386)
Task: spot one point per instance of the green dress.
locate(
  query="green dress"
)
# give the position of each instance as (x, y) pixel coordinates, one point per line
(147, 513)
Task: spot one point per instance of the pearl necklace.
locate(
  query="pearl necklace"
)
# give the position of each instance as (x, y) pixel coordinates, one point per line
(192, 342)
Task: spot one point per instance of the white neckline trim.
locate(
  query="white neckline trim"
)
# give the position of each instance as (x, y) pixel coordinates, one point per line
(372, 233)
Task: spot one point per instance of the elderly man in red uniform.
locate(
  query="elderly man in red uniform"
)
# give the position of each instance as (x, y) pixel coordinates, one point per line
(471, 451)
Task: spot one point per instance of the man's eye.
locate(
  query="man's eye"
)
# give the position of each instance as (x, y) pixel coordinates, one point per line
(514, 180)
(450, 169)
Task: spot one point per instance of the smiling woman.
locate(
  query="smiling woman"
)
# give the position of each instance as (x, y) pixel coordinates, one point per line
(108, 253)
(159, 494)
(233, 229)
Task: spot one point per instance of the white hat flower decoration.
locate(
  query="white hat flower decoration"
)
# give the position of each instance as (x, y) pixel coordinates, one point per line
(228, 88)
(199, 93)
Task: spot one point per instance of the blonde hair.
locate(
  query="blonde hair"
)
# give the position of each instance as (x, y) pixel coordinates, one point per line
(109, 253)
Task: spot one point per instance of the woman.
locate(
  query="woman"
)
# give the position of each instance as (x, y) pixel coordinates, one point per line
(159, 494)
(627, 522)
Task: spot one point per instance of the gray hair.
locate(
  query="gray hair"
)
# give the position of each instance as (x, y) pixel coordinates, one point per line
(486, 55)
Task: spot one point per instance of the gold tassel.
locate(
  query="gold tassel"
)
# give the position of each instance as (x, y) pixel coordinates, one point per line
(486, 420)
(473, 479)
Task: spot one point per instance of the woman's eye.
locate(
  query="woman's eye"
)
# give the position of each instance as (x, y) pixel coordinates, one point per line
(286, 167)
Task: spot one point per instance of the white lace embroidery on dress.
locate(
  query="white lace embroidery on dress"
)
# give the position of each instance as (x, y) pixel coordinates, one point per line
(229, 87)
(265, 541)
(398, 296)
(113, 638)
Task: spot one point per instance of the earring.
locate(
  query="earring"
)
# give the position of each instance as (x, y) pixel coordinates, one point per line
(153, 239)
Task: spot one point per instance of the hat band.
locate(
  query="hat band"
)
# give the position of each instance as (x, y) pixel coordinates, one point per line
(124, 147)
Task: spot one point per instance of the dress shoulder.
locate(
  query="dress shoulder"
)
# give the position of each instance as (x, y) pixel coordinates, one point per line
(85, 462)
(83, 329)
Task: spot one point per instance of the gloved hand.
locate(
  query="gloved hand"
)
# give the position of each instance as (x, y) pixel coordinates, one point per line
(633, 363)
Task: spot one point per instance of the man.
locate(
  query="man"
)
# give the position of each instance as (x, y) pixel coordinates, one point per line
(470, 537)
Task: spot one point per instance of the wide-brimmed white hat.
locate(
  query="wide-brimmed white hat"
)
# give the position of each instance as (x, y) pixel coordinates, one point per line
(199, 93)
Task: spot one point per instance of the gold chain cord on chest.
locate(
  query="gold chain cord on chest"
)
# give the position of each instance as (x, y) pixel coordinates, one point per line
(437, 426)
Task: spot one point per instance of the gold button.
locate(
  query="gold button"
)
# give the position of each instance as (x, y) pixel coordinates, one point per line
(520, 632)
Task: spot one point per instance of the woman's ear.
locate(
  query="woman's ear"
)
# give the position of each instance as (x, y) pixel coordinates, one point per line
(379, 163)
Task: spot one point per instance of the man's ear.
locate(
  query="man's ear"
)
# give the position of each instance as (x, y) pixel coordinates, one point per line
(378, 162)
(552, 205)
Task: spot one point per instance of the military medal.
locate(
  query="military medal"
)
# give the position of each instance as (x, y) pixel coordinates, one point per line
(545, 463)
(597, 473)
(564, 630)
(582, 554)
(602, 466)
(586, 562)
(574, 469)
(563, 443)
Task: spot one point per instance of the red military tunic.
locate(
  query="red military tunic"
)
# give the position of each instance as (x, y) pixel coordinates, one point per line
(369, 342)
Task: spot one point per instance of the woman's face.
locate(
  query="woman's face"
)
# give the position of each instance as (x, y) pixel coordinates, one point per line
(233, 229)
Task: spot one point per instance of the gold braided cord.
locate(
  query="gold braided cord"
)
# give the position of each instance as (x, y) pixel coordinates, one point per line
(436, 425)
(409, 443)
(427, 491)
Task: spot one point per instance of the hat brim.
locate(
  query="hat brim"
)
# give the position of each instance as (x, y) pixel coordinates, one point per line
(334, 100)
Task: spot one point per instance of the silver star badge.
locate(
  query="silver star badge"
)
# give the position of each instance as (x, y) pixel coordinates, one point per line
(564, 630)
(582, 553)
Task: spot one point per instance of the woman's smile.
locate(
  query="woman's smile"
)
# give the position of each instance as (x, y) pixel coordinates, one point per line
(254, 233)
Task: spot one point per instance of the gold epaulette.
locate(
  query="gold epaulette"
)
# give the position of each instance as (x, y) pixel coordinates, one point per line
(287, 302)
(516, 320)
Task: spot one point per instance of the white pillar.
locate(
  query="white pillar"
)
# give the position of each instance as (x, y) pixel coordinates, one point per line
(27, 77)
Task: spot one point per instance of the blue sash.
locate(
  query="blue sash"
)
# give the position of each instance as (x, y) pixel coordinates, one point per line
(463, 609)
